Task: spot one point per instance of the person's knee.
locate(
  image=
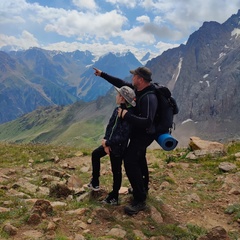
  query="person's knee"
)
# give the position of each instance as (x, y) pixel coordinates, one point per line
(94, 153)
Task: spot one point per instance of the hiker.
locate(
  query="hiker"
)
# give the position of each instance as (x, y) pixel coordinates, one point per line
(114, 144)
(142, 134)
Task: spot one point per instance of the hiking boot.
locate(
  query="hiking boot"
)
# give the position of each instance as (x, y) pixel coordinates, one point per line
(110, 200)
(135, 207)
(94, 187)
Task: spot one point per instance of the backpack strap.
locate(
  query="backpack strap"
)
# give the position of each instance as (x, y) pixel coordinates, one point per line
(146, 93)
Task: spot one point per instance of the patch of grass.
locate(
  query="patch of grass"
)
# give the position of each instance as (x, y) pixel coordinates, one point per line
(170, 159)
(158, 153)
(88, 236)
(88, 204)
(234, 209)
(4, 235)
(233, 147)
(173, 231)
(20, 154)
(86, 134)
(155, 165)
(17, 213)
(234, 235)
(196, 230)
(61, 237)
(163, 178)
(86, 152)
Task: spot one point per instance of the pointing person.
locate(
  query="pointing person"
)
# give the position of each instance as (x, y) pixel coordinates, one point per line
(142, 134)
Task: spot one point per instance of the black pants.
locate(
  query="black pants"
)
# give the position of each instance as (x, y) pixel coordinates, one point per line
(135, 164)
(145, 172)
(116, 166)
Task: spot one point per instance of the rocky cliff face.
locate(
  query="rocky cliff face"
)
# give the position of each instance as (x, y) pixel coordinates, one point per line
(204, 76)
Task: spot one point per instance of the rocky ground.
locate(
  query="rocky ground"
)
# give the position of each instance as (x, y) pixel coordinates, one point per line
(187, 198)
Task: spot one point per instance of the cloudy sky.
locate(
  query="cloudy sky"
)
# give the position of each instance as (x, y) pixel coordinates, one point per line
(101, 26)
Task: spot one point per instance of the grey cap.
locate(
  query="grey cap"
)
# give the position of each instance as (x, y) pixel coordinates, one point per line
(128, 94)
(143, 72)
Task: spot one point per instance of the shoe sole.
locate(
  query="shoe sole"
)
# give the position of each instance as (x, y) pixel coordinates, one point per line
(110, 204)
(94, 189)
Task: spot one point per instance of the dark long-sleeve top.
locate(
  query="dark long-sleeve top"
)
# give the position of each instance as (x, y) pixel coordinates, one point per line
(145, 110)
(117, 133)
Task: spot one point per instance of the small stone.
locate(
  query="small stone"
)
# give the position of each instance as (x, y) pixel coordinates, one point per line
(9, 229)
(34, 219)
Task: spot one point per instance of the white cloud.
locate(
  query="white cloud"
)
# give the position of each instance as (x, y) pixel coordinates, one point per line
(13, 20)
(162, 32)
(158, 20)
(143, 19)
(88, 25)
(136, 24)
(127, 3)
(162, 46)
(25, 40)
(147, 4)
(137, 35)
(85, 4)
(187, 15)
(13, 7)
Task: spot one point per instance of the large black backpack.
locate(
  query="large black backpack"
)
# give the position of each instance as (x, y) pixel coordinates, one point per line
(167, 108)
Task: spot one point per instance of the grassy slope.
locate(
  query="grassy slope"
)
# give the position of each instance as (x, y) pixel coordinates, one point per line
(80, 124)
(15, 157)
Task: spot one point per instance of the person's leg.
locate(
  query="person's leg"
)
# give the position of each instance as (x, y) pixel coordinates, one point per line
(145, 173)
(97, 154)
(116, 165)
(134, 165)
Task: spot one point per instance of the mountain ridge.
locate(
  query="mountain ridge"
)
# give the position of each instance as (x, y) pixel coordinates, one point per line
(37, 77)
(207, 83)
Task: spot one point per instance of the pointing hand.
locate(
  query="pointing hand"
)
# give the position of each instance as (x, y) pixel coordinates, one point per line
(97, 72)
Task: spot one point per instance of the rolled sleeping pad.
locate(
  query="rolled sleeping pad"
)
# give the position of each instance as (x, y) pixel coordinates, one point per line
(167, 141)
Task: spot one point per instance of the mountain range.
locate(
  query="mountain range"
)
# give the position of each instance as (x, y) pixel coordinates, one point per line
(36, 77)
(203, 75)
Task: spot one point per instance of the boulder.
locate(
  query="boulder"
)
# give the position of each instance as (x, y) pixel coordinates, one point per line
(198, 144)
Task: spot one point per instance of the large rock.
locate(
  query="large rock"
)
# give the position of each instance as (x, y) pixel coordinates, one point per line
(198, 144)
(60, 191)
(216, 233)
(201, 148)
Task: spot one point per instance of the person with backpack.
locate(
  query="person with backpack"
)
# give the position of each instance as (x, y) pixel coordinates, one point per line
(142, 135)
(114, 144)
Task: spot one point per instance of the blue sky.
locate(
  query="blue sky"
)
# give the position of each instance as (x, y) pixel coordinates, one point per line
(101, 26)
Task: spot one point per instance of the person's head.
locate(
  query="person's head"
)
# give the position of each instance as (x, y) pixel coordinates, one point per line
(125, 94)
(141, 77)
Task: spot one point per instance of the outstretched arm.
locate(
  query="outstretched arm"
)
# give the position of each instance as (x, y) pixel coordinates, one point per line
(117, 82)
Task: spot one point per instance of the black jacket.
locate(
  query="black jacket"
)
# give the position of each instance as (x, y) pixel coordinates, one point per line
(145, 110)
(117, 133)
